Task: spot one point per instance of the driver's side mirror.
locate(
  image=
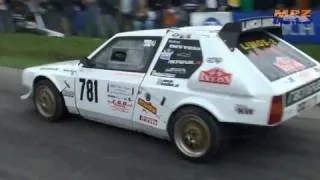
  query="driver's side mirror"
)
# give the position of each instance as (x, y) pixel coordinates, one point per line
(87, 63)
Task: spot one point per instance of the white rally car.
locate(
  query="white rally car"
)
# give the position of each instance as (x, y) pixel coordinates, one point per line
(182, 84)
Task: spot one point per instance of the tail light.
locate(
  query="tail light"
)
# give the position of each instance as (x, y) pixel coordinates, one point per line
(276, 110)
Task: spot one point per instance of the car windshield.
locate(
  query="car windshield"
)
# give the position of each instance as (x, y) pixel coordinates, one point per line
(272, 57)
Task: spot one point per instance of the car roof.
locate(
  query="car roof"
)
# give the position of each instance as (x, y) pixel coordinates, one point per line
(162, 32)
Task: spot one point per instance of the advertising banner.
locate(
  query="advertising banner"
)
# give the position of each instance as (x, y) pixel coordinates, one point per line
(292, 32)
(210, 18)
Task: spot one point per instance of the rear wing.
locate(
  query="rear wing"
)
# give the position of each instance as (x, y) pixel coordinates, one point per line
(231, 31)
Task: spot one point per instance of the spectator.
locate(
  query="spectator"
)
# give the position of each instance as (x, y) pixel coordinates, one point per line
(169, 18)
(126, 12)
(3, 7)
(303, 4)
(189, 6)
(158, 6)
(53, 16)
(108, 17)
(144, 17)
(69, 9)
(264, 5)
(246, 5)
(314, 4)
(211, 5)
(234, 4)
(92, 11)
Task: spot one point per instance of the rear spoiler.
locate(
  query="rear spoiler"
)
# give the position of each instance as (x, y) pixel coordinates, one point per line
(230, 32)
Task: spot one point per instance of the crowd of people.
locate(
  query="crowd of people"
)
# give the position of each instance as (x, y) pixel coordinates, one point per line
(106, 17)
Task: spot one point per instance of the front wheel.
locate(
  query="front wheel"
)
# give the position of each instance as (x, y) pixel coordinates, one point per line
(196, 134)
(48, 101)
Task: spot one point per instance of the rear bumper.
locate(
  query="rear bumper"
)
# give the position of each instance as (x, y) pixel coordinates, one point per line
(301, 106)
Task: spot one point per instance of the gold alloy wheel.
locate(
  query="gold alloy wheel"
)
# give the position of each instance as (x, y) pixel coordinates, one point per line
(45, 101)
(192, 136)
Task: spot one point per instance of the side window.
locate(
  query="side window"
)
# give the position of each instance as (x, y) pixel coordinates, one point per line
(180, 58)
(128, 54)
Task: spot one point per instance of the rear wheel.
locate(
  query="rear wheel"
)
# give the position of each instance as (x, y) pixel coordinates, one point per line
(48, 101)
(196, 134)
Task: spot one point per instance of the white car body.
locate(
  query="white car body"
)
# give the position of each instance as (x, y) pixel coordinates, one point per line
(243, 95)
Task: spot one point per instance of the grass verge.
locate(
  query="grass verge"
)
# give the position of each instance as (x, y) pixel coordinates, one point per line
(24, 50)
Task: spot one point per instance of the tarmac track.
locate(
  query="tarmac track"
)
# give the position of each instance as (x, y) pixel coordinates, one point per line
(77, 149)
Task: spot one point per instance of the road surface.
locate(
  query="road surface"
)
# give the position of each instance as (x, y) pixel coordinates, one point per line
(77, 149)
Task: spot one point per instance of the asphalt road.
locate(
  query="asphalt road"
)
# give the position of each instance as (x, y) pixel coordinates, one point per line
(76, 149)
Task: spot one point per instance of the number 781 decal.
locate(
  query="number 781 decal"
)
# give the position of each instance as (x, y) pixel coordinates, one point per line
(92, 89)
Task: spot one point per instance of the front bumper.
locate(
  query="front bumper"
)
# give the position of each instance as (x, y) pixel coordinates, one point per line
(27, 82)
(26, 95)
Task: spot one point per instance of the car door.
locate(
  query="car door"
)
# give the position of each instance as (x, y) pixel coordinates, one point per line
(106, 90)
(167, 82)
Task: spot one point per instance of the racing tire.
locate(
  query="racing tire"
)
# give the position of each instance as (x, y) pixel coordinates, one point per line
(196, 134)
(48, 101)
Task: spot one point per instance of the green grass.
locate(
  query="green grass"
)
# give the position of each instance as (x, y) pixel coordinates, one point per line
(24, 50)
(21, 62)
(312, 50)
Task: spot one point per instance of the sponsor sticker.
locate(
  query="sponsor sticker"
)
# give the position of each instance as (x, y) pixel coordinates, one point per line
(216, 76)
(120, 97)
(292, 16)
(166, 54)
(190, 48)
(168, 75)
(167, 82)
(215, 60)
(257, 23)
(176, 70)
(300, 93)
(147, 105)
(120, 105)
(119, 91)
(149, 43)
(172, 41)
(181, 63)
(184, 54)
(188, 62)
(288, 64)
(242, 109)
(67, 93)
(148, 120)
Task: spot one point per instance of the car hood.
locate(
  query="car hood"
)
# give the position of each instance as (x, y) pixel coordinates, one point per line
(63, 64)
